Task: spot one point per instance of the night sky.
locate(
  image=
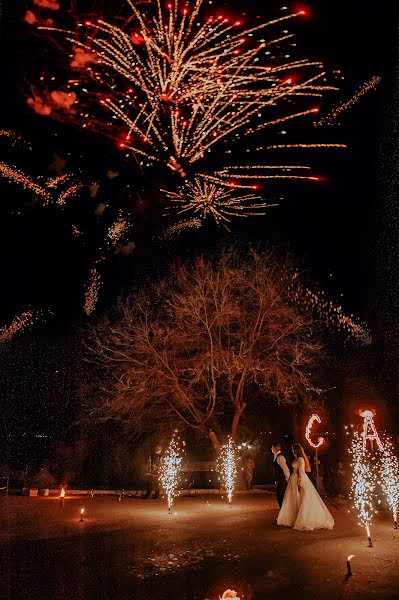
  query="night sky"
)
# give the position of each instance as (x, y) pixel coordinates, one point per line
(336, 227)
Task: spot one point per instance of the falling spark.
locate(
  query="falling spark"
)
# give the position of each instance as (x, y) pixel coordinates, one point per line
(118, 230)
(226, 465)
(390, 478)
(14, 138)
(173, 87)
(21, 322)
(92, 291)
(336, 112)
(331, 313)
(170, 469)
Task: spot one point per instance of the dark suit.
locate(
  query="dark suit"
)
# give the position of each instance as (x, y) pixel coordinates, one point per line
(279, 478)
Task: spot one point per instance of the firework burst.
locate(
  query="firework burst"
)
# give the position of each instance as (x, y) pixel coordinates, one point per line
(170, 469)
(226, 465)
(205, 198)
(171, 85)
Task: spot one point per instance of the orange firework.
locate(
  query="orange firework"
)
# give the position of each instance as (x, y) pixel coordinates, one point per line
(172, 85)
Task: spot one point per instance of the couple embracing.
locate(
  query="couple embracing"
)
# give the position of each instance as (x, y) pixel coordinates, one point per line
(300, 504)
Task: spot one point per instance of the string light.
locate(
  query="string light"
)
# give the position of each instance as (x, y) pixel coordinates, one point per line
(170, 469)
(226, 466)
(320, 440)
(370, 432)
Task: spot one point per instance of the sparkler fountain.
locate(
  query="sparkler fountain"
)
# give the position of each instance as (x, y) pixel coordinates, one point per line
(226, 465)
(365, 475)
(170, 469)
(390, 478)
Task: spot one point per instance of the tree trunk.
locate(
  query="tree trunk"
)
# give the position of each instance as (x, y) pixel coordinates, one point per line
(236, 421)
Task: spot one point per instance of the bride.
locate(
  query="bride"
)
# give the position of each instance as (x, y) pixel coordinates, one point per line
(302, 506)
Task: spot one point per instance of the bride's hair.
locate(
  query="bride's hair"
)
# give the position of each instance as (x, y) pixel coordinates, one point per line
(300, 452)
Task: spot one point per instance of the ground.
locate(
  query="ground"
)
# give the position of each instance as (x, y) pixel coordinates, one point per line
(133, 550)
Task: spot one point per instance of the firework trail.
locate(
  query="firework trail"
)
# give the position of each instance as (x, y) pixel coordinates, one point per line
(336, 112)
(171, 85)
(177, 228)
(116, 233)
(171, 464)
(331, 313)
(226, 465)
(51, 192)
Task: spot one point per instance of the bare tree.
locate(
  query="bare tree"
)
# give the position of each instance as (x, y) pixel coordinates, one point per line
(202, 344)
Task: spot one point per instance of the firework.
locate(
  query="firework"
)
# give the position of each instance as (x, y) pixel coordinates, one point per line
(21, 322)
(206, 198)
(170, 469)
(170, 86)
(364, 483)
(226, 465)
(390, 478)
(336, 112)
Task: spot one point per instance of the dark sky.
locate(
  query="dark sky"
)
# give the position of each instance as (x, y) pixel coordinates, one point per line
(334, 226)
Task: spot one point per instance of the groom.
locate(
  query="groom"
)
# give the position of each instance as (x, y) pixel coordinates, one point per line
(281, 472)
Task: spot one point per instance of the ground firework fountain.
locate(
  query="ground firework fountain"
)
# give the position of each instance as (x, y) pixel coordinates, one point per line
(364, 481)
(170, 469)
(226, 465)
(390, 478)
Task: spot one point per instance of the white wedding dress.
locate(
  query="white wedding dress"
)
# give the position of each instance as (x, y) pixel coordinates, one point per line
(305, 510)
